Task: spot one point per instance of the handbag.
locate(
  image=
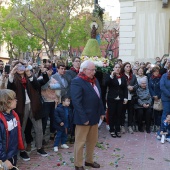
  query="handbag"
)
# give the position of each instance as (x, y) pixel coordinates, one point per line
(158, 105)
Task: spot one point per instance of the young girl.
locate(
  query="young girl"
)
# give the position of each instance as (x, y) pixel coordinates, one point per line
(10, 129)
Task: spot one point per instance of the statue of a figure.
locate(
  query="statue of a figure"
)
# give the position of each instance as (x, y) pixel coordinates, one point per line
(94, 32)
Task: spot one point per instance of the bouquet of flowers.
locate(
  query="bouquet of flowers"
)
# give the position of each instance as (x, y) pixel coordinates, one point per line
(102, 64)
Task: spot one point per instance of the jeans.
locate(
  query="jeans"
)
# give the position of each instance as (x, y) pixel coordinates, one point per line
(166, 110)
(60, 136)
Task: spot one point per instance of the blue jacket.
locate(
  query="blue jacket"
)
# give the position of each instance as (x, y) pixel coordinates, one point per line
(165, 88)
(87, 105)
(60, 116)
(13, 138)
(154, 87)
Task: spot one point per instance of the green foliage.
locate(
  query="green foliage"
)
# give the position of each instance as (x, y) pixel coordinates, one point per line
(17, 39)
(77, 35)
(48, 20)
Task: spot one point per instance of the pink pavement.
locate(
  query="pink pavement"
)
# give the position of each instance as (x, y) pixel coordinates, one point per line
(138, 151)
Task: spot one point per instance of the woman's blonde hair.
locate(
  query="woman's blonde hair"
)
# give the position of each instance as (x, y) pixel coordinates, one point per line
(5, 96)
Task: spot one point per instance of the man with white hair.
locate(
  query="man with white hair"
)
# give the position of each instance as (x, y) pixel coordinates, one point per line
(88, 109)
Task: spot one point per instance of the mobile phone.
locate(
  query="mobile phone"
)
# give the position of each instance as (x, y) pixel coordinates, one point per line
(44, 60)
(7, 69)
(21, 68)
(166, 55)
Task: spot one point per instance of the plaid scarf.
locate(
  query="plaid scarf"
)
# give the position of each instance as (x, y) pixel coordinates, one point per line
(84, 77)
(119, 77)
(128, 79)
(73, 69)
(153, 77)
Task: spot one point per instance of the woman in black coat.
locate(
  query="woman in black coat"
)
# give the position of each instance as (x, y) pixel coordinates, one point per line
(117, 96)
(132, 86)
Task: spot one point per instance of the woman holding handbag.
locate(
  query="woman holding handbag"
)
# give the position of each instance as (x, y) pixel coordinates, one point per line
(155, 92)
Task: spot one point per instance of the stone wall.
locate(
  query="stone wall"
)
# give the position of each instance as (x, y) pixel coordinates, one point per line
(144, 30)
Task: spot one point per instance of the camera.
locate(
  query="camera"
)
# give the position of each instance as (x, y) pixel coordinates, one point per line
(21, 67)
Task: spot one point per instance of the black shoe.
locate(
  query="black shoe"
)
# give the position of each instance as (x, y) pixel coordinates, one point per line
(72, 140)
(141, 129)
(93, 165)
(24, 156)
(113, 135)
(42, 152)
(148, 131)
(118, 134)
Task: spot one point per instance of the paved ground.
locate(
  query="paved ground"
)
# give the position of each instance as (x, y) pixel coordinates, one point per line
(138, 151)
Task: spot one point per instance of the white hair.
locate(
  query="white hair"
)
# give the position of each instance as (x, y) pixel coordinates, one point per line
(85, 64)
(143, 80)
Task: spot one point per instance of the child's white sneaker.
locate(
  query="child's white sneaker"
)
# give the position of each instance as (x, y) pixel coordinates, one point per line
(64, 146)
(158, 137)
(56, 149)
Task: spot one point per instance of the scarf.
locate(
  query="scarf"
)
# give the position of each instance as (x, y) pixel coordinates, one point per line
(86, 78)
(24, 82)
(168, 77)
(153, 77)
(128, 79)
(119, 77)
(73, 69)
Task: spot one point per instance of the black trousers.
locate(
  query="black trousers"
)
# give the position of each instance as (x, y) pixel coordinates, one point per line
(157, 117)
(115, 108)
(13, 161)
(28, 129)
(48, 111)
(145, 113)
(130, 110)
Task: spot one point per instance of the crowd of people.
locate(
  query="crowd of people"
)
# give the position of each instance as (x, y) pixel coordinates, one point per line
(74, 99)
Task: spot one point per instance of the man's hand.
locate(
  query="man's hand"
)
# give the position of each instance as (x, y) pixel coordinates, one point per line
(155, 98)
(8, 164)
(125, 101)
(28, 72)
(130, 88)
(61, 124)
(86, 123)
(13, 71)
(102, 117)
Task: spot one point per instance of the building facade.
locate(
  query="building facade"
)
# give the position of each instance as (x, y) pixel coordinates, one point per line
(144, 29)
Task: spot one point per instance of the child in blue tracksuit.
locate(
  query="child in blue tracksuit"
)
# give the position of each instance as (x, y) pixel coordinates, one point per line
(10, 130)
(62, 122)
(165, 128)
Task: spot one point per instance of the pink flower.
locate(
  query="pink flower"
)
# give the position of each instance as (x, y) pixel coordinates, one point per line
(104, 65)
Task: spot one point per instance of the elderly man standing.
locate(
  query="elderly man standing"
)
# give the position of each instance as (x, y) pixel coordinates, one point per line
(88, 109)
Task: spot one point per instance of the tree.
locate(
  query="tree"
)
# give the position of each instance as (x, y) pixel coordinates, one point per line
(47, 20)
(17, 39)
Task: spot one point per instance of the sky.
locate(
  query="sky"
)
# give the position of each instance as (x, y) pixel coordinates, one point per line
(111, 6)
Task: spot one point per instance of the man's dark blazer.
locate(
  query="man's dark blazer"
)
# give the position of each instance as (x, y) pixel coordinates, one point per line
(87, 105)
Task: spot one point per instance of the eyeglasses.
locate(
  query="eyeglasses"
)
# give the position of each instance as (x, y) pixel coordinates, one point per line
(91, 69)
(77, 61)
